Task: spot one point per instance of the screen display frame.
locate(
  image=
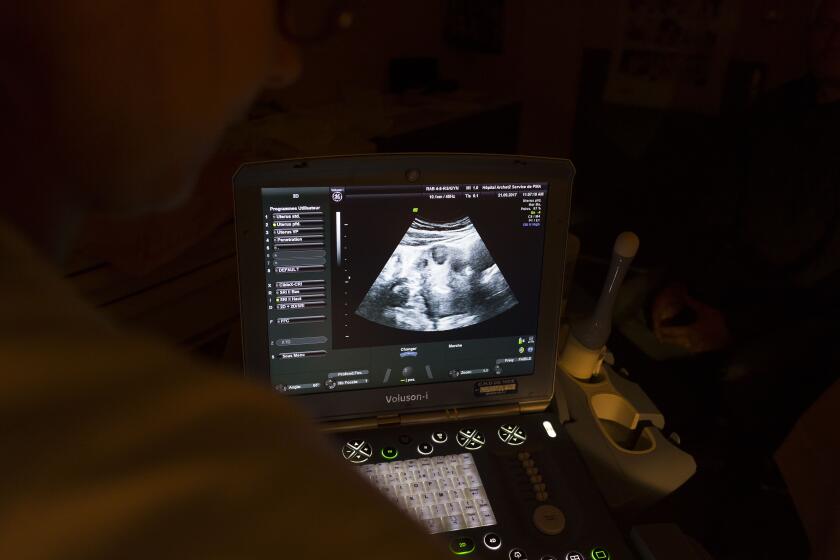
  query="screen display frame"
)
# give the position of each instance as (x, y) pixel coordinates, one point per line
(397, 169)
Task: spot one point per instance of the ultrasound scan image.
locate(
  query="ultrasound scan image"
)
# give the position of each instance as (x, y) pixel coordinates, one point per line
(440, 277)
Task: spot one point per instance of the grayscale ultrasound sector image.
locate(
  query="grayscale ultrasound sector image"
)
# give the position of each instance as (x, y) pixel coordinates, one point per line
(440, 277)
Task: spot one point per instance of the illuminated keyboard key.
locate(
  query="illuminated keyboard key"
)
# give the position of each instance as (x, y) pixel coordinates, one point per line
(434, 525)
(444, 492)
(438, 510)
(453, 508)
(454, 522)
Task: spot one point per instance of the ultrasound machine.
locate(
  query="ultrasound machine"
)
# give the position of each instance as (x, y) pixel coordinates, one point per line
(411, 303)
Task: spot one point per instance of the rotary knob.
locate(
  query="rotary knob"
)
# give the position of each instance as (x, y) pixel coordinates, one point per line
(470, 439)
(357, 451)
(512, 435)
(549, 520)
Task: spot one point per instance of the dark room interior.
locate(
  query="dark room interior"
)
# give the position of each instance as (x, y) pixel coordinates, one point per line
(709, 128)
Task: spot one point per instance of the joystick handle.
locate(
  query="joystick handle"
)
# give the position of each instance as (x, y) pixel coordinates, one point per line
(594, 331)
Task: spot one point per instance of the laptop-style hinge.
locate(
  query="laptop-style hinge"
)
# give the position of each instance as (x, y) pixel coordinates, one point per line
(349, 425)
(447, 415)
(540, 405)
(389, 420)
(361, 423)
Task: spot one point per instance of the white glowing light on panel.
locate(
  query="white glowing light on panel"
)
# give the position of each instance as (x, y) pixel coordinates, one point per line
(549, 429)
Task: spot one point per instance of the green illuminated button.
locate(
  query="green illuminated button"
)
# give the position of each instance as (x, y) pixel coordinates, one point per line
(462, 546)
(599, 553)
(389, 453)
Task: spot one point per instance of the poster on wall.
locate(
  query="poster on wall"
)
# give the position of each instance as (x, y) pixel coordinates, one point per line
(475, 25)
(672, 54)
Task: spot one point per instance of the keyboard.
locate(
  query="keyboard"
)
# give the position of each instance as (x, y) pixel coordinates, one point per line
(444, 493)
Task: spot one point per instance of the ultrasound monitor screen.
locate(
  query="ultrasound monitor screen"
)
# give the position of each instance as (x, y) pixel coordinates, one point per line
(385, 286)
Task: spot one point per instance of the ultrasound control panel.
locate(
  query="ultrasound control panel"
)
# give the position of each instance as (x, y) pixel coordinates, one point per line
(510, 487)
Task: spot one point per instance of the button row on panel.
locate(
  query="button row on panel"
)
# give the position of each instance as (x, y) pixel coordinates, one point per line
(462, 546)
(597, 553)
(471, 439)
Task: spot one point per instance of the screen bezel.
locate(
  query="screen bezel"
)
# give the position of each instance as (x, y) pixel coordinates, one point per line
(397, 169)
